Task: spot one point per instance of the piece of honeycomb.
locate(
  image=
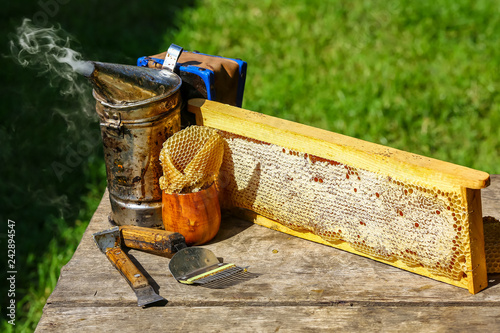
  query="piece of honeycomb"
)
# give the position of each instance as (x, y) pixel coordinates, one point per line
(191, 159)
(492, 244)
(380, 216)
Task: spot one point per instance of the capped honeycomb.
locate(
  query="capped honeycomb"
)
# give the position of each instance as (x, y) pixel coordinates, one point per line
(492, 244)
(386, 218)
(191, 159)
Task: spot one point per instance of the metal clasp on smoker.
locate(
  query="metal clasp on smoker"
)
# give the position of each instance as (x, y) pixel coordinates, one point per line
(173, 54)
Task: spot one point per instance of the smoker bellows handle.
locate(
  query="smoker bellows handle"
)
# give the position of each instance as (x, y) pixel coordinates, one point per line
(124, 265)
(160, 242)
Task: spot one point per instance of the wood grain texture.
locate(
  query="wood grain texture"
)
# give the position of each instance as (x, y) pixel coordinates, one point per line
(334, 146)
(302, 286)
(160, 242)
(477, 260)
(325, 318)
(125, 266)
(196, 215)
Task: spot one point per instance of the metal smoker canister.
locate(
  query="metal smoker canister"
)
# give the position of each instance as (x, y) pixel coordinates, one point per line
(133, 133)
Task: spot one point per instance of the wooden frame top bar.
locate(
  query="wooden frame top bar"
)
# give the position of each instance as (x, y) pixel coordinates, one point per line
(344, 149)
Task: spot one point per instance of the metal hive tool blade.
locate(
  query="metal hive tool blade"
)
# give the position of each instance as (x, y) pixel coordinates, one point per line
(146, 295)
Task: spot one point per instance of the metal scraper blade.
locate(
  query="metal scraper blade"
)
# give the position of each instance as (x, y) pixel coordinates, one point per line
(146, 295)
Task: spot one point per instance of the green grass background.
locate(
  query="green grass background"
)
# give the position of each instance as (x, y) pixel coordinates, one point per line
(421, 76)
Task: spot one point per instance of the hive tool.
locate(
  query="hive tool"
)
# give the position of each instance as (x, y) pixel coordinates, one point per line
(110, 243)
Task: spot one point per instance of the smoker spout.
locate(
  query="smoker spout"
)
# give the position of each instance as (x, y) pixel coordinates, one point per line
(119, 84)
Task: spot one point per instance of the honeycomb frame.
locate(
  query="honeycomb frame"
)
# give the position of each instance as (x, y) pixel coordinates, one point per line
(492, 243)
(406, 210)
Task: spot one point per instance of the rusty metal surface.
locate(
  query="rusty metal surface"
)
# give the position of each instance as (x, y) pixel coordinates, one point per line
(133, 134)
(118, 84)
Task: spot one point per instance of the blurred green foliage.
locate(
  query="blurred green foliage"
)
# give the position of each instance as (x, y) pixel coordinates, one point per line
(42, 131)
(421, 76)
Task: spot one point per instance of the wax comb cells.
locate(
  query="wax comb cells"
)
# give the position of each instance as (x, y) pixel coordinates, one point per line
(190, 159)
(410, 211)
(492, 243)
(377, 215)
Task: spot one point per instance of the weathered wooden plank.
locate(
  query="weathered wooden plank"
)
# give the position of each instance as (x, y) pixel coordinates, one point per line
(490, 198)
(303, 286)
(341, 317)
(290, 268)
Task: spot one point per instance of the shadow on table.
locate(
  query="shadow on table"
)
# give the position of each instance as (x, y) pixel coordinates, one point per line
(230, 226)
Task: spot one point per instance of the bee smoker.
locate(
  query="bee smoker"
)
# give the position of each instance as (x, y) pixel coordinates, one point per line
(139, 108)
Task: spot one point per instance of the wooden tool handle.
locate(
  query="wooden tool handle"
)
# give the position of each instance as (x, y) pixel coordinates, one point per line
(124, 265)
(156, 241)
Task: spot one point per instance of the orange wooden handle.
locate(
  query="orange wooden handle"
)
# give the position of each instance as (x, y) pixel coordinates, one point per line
(122, 262)
(161, 242)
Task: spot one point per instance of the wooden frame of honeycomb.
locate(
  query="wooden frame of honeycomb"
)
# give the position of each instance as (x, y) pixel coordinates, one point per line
(409, 211)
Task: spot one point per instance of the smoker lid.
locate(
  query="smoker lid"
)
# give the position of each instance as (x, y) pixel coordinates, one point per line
(117, 85)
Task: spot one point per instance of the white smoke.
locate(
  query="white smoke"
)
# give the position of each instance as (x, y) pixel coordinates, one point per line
(47, 50)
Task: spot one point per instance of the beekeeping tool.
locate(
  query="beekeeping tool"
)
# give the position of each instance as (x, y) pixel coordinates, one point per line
(155, 241)
(138, 108)
(199, 266)
(108, 242)
(405, 210)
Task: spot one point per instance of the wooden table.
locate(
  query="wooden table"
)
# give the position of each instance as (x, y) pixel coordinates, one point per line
(303, 286)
